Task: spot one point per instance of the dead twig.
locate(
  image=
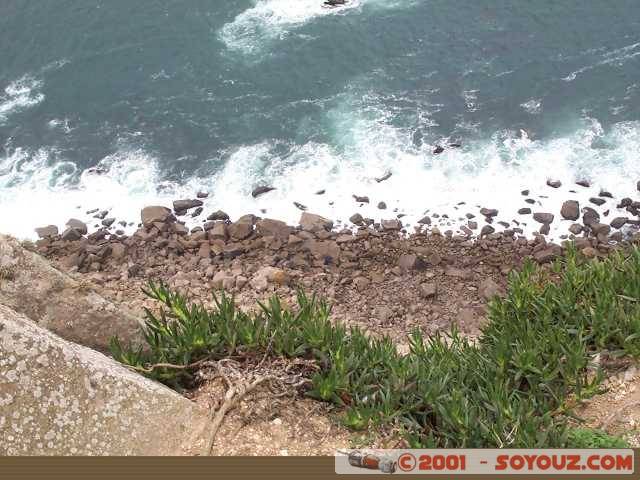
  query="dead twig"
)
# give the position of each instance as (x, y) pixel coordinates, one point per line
(231, 400)
(156, 366)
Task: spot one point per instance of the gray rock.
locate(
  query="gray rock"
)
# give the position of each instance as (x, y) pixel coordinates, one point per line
(47, 232)
(619, 222)
(65, 399)
(570, 210)
(361, 199)
(542, 217)
(389, 225)
(426, 220)
(576, 229)
(597, 201)
(382, 206)
(274, 228)
(554, 183)
(202, 195)
(487, 230)
(107, 222)
(240, 230)
(411, 262)
(584, 183)
(219, 215)
(547, 255)
(385, 177)
(356, 219)
(590, 216)
(78, 225)
(261, 191)
(57, 302)
(183, 205)
(314, 223)
(489, 212)
(71, 235)
(524, 211)
(150, 215)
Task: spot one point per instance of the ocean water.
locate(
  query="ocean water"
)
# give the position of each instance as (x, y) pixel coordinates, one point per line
(169, 97)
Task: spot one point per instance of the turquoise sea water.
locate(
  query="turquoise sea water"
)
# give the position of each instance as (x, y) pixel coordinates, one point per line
(171, 96)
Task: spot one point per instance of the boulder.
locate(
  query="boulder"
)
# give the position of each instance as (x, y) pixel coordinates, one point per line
(314, 223)
(487, 230)
(60, 399)
(269, 275)
(544, 218)
(597, 201)
(590, 216)
(323, 249)
(219, 231)
(273, 228)
(78, 225)
(261, 191)
(570, 210)
(183, 205)
(150, 215)
(576, 229)
(47, 232)
(547, 254)
(360, 199)
(411, 262)
(554, 183)
(356, 219)
(426, 220)
(382, 206)
(71, 235)
(619, 222)
(58, 303)
(489, 212)
(390, 225)
(240, 230)
(524, 211)
(219, 215)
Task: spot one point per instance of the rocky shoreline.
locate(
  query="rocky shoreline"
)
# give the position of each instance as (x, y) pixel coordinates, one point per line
(383, 275)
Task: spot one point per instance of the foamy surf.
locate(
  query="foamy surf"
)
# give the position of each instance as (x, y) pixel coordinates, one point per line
(20, 95)
(271, 20)
(35, 191)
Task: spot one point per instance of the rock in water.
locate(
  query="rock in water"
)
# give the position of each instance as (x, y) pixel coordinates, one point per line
(79, 402)
(385, 177)
(570, 210)
(150, 215)
(78, 225)
(544, 218)
(261, 191)
(184, 205)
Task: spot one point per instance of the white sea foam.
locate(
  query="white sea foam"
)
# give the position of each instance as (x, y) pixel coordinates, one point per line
(37, 190)
(20, 95)
(533, 106)
(271, 20)
(616, 57)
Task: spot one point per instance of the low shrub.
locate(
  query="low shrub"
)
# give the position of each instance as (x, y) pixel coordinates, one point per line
(509, 389)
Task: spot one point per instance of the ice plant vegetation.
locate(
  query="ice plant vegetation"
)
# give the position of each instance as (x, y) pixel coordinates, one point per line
(512, 387)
